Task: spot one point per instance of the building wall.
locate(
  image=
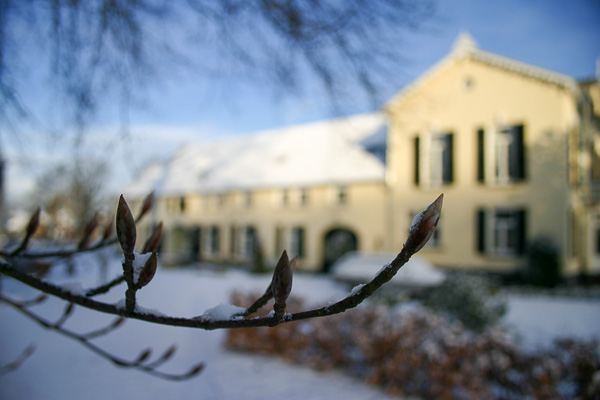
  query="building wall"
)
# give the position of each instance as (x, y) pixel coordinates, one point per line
(488, 217)
(463, 98)
(317, 210)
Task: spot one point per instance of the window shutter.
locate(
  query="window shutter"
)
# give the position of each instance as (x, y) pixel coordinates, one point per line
(417, 160)
(480, 156)
(481, 228)
(448, 159)
(517, 154)
(522, 231)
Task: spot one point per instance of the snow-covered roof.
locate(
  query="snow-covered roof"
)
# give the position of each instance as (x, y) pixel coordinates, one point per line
(332, 151)
(465, 47)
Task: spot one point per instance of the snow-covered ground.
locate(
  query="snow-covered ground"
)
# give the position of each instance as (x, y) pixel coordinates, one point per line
(62, 369)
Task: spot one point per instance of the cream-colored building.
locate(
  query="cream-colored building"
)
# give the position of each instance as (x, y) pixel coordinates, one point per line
(513, 147)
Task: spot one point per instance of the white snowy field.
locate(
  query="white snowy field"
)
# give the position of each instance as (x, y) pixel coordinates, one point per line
(62, 369)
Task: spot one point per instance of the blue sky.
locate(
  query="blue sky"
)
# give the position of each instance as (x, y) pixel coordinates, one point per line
(562, 36)
(558, 35)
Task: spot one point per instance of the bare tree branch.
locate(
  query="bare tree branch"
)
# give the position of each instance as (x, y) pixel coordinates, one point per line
(84, 339)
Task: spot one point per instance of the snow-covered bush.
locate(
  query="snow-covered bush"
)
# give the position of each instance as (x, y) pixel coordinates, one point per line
(410, 350)
(469, 298)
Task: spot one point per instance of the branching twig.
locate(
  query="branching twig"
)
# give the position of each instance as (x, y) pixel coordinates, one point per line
(420, 232)
(137, 276)
(106, 287)
(13, 365)
(139, 363)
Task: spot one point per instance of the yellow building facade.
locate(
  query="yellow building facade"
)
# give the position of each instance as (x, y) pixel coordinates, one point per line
(514, 148)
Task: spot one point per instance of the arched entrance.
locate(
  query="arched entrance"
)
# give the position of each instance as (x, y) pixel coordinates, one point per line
(338, 242)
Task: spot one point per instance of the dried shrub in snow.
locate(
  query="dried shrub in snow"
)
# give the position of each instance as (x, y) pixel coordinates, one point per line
(411, 350)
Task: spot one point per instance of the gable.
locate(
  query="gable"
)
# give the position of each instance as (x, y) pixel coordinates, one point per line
(465, 54)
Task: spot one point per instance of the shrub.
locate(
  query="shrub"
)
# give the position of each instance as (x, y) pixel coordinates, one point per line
(543, 262)
(409, 350)
(468, 298)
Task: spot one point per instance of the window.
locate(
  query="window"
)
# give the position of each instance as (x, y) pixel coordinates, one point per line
(221, 197)
(501, 155)
(285, 197)
(303, 196)
(297, 242)
(501, 231)
(342, 195)
(435, 240)
(279, 246)
(597, 238)
(434, 164)
(248, 199)
(232, 239)
(176, 205)
(249, 242)
(211, 240)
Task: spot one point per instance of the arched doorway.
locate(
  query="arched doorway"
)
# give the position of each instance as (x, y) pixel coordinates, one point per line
(338, 242)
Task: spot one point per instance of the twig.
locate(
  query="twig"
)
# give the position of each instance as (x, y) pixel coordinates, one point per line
(14, 365)
(138, 363)
(106, 287)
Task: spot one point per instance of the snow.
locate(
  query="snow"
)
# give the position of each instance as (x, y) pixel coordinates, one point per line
(62, 369)
(334, 151)
(362, 267)
(139, 262)
(222, 312)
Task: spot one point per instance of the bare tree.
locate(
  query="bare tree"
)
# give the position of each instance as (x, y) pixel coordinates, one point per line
(99, 49)
(139, 270)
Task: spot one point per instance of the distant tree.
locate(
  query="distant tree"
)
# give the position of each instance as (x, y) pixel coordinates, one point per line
(70, 193)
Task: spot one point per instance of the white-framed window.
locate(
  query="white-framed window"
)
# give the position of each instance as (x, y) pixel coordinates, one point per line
(285, 197)
(211, 239)
(434, 159)
(303, 196)
(248, 198)
(248, 242)
(176, 204)
(297, 242)
(342, 195)
(501, 155)
(501, 231)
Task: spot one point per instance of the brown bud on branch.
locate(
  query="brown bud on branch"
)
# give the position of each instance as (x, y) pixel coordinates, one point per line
(423, 226)
(126, 232)
(32, 226)
(148, 271)
(153, 241)
(34, 223)
(282, 279)
(147, 205)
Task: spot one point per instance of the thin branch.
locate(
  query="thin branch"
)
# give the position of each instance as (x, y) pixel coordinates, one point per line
(106, 287)
(138, 363)
(421, 231)
(14, 365)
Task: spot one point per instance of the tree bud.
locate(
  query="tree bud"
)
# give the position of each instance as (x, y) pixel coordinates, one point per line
(126, 232)
(424, 225)
(147, 205)
(148, 271)
(34, 223)
(108, 230)
(282, 279)
(153, 241)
